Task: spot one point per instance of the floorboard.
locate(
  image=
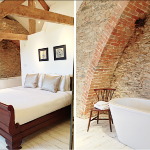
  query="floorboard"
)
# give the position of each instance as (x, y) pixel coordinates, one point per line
(99, 136)
(56, 136)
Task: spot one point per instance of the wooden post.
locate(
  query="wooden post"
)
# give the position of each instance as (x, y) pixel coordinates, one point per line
(32, 22)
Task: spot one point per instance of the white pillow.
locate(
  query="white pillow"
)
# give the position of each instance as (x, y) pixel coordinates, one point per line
(31, 80)
(40, 80)
(61, 86)
(67, 83)
(51, 83)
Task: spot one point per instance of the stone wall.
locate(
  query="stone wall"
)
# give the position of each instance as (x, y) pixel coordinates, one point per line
(92, 18)
(132, 75)
(12, 26)
(10, 64)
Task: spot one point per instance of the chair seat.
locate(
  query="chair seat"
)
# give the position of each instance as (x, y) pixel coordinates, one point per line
(96, 109)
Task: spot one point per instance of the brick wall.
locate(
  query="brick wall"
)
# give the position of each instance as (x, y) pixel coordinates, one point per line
(113, 41)
(9, 59)
(10, 64)
(92, 18)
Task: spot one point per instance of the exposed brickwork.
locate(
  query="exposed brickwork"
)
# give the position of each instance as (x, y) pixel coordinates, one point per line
(112, 44)
(92, 18)
(10, 65)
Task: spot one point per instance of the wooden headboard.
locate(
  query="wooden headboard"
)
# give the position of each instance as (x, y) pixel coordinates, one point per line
(71, 78)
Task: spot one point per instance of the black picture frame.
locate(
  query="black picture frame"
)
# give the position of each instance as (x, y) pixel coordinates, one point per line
(59, 52)
(43, 54)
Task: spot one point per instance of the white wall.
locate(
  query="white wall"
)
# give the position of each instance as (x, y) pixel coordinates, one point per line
(61, 7)
(52, 35)
(10, 82)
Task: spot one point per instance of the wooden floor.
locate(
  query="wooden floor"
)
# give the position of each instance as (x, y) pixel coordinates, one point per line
(56, 136)
(98, 137)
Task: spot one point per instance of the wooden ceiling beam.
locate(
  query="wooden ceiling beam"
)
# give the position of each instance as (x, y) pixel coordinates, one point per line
(44, 5)
(34, 13)
(12, 36)
(32, 26)
(31, 3)
(9, 5)
(32, 22)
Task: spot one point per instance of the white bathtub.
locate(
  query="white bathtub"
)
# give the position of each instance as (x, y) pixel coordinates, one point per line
(131, 118)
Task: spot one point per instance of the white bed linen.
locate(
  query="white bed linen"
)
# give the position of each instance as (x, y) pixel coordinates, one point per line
(30, 103)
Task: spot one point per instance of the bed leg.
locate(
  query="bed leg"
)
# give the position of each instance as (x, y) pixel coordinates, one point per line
(13, 145)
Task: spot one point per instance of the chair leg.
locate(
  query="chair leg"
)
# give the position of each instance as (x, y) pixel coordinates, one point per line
(112, 119)
(89, 121)
(109, 120)
(97, 117)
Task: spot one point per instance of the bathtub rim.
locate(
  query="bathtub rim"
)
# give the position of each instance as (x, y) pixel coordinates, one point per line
(131, 109)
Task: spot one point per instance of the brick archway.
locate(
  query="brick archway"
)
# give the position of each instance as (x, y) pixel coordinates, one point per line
(111, 45)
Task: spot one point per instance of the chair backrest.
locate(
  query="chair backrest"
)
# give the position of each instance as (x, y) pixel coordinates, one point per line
(104, 94)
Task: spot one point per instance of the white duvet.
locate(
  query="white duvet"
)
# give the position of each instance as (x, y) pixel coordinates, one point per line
(30, 103)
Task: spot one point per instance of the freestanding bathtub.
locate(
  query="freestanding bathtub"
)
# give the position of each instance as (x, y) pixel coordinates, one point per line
(131, 117)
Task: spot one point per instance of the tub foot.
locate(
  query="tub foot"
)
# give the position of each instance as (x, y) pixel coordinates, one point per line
(111, 119)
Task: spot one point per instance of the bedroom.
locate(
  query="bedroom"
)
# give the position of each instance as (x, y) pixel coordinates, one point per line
(48, 35)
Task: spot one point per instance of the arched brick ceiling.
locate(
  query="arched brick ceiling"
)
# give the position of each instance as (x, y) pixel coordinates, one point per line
(111, 45)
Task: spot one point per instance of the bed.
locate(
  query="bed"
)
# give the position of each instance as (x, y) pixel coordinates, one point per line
(18, 120)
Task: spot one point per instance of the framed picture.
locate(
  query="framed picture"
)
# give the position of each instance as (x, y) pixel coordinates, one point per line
(43, 54)
(59, 52)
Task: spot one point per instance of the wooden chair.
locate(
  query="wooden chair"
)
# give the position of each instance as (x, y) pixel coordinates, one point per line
(103, 95)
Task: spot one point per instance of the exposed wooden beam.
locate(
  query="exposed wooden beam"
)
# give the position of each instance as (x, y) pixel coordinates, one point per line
(32, 26)
(32, 22)
(34, 13)
(32, 3)
(12, 36)
(44, 5)
(9, 5)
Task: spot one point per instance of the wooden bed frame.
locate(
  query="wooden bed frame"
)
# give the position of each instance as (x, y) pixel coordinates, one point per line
(14, 133)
